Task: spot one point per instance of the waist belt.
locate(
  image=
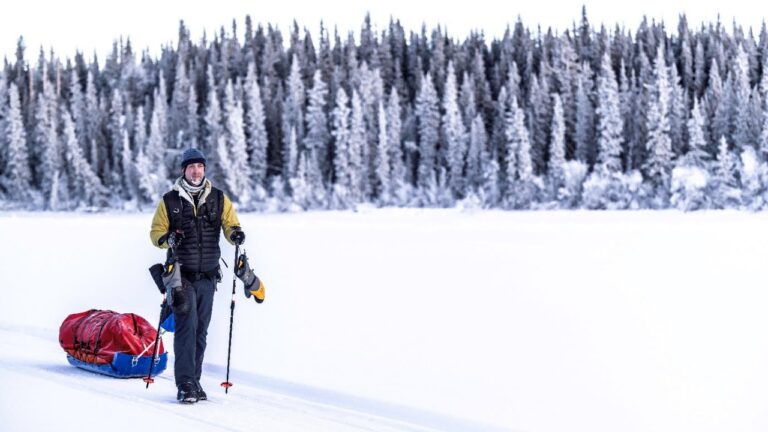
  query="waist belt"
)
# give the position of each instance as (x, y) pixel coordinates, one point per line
(196, 276)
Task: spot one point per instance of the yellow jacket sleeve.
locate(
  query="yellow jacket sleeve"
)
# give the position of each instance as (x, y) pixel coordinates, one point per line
(228, 218)
(160, 225)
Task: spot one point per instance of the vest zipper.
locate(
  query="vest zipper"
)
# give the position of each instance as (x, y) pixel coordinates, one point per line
(199, 242)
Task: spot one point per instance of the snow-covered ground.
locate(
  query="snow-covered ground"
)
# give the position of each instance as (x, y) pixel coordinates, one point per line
(413, 320)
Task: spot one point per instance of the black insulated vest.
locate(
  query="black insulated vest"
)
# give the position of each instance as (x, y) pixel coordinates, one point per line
(199, 251)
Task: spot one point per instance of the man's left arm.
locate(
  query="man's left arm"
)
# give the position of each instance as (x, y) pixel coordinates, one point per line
(160, 226)
(229, 219)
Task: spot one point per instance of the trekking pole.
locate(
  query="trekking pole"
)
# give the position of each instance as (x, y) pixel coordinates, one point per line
(148, 379)
(170, 264)
(226, 384)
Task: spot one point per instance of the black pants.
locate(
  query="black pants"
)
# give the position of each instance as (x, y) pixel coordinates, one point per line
(191, 321)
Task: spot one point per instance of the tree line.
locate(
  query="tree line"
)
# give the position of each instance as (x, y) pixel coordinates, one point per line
(585, 118)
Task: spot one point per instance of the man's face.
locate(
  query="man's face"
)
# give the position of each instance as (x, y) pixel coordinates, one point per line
(194, 173)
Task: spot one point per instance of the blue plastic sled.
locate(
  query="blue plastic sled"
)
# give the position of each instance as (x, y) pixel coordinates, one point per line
(124, 365)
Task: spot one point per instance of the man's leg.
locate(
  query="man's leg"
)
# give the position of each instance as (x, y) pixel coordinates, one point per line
(185, 335)
(205, 288)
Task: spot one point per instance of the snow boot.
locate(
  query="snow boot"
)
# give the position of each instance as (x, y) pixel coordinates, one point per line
(187, 393)
(200, 392)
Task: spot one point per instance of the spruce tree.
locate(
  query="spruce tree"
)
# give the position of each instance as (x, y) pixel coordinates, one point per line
(497, 145)
(46, 141)
(539, 119)
(291, 155)
(678, 111)
(293, 118)
(557, 146)
(151, 180)
(301, 194)
(155, 152)
(371, 91)
(467, 103)
(696, 155)
(214, 133)
(700, 67)
(160, 105)
(755, 118)
(740, 116)
(3, 117)
(255, 131)
(609, 123)
(357, 140)
(239, 177)
(79, 110)
(340, 131)
(726, 193)
(17, 178)
(721, 123)
(193, 120)
(85, 187)
(763, 137)
(383, 170)
(643, 83)
(129, 175)
(179, 131)
(148, 190)
(455, 134)
(477, 155)
(659, 143)
(139, 129)
(566, 68)
(718, 126)
(491, 192)
(115, 179)
(398, 190)
(316, 143)
(518, 161)
(428, 118)
(94, 139)
(685, 57)
(585, 121)
(627, 115)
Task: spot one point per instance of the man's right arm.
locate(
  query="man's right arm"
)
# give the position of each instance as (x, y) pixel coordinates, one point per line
(160, 226)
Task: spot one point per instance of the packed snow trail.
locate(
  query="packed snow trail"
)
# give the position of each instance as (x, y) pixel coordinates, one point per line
(49, 394)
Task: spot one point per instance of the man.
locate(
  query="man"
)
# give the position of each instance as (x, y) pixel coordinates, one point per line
(189, 219)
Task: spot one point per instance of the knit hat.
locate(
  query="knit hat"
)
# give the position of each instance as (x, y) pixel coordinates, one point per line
(190, 156)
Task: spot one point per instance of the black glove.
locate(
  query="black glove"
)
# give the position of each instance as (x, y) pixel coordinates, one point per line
(157, 271)
(174, 238)
(237, 236)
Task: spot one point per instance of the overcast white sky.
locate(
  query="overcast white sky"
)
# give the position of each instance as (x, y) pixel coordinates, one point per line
(92, 25)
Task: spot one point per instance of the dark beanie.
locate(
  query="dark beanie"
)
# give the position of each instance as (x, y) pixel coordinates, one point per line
(190, 156)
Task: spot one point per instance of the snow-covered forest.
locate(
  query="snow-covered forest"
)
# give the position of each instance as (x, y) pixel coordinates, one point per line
(594, 118)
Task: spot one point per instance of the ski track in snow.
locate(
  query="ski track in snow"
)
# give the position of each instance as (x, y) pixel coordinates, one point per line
(33, 363)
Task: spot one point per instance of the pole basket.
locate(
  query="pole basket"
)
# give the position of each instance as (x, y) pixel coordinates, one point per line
(226, 385)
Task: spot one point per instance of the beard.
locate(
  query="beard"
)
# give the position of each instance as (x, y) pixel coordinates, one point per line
(193, 182)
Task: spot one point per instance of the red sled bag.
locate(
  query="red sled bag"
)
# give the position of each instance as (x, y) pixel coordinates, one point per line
(111, 343)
